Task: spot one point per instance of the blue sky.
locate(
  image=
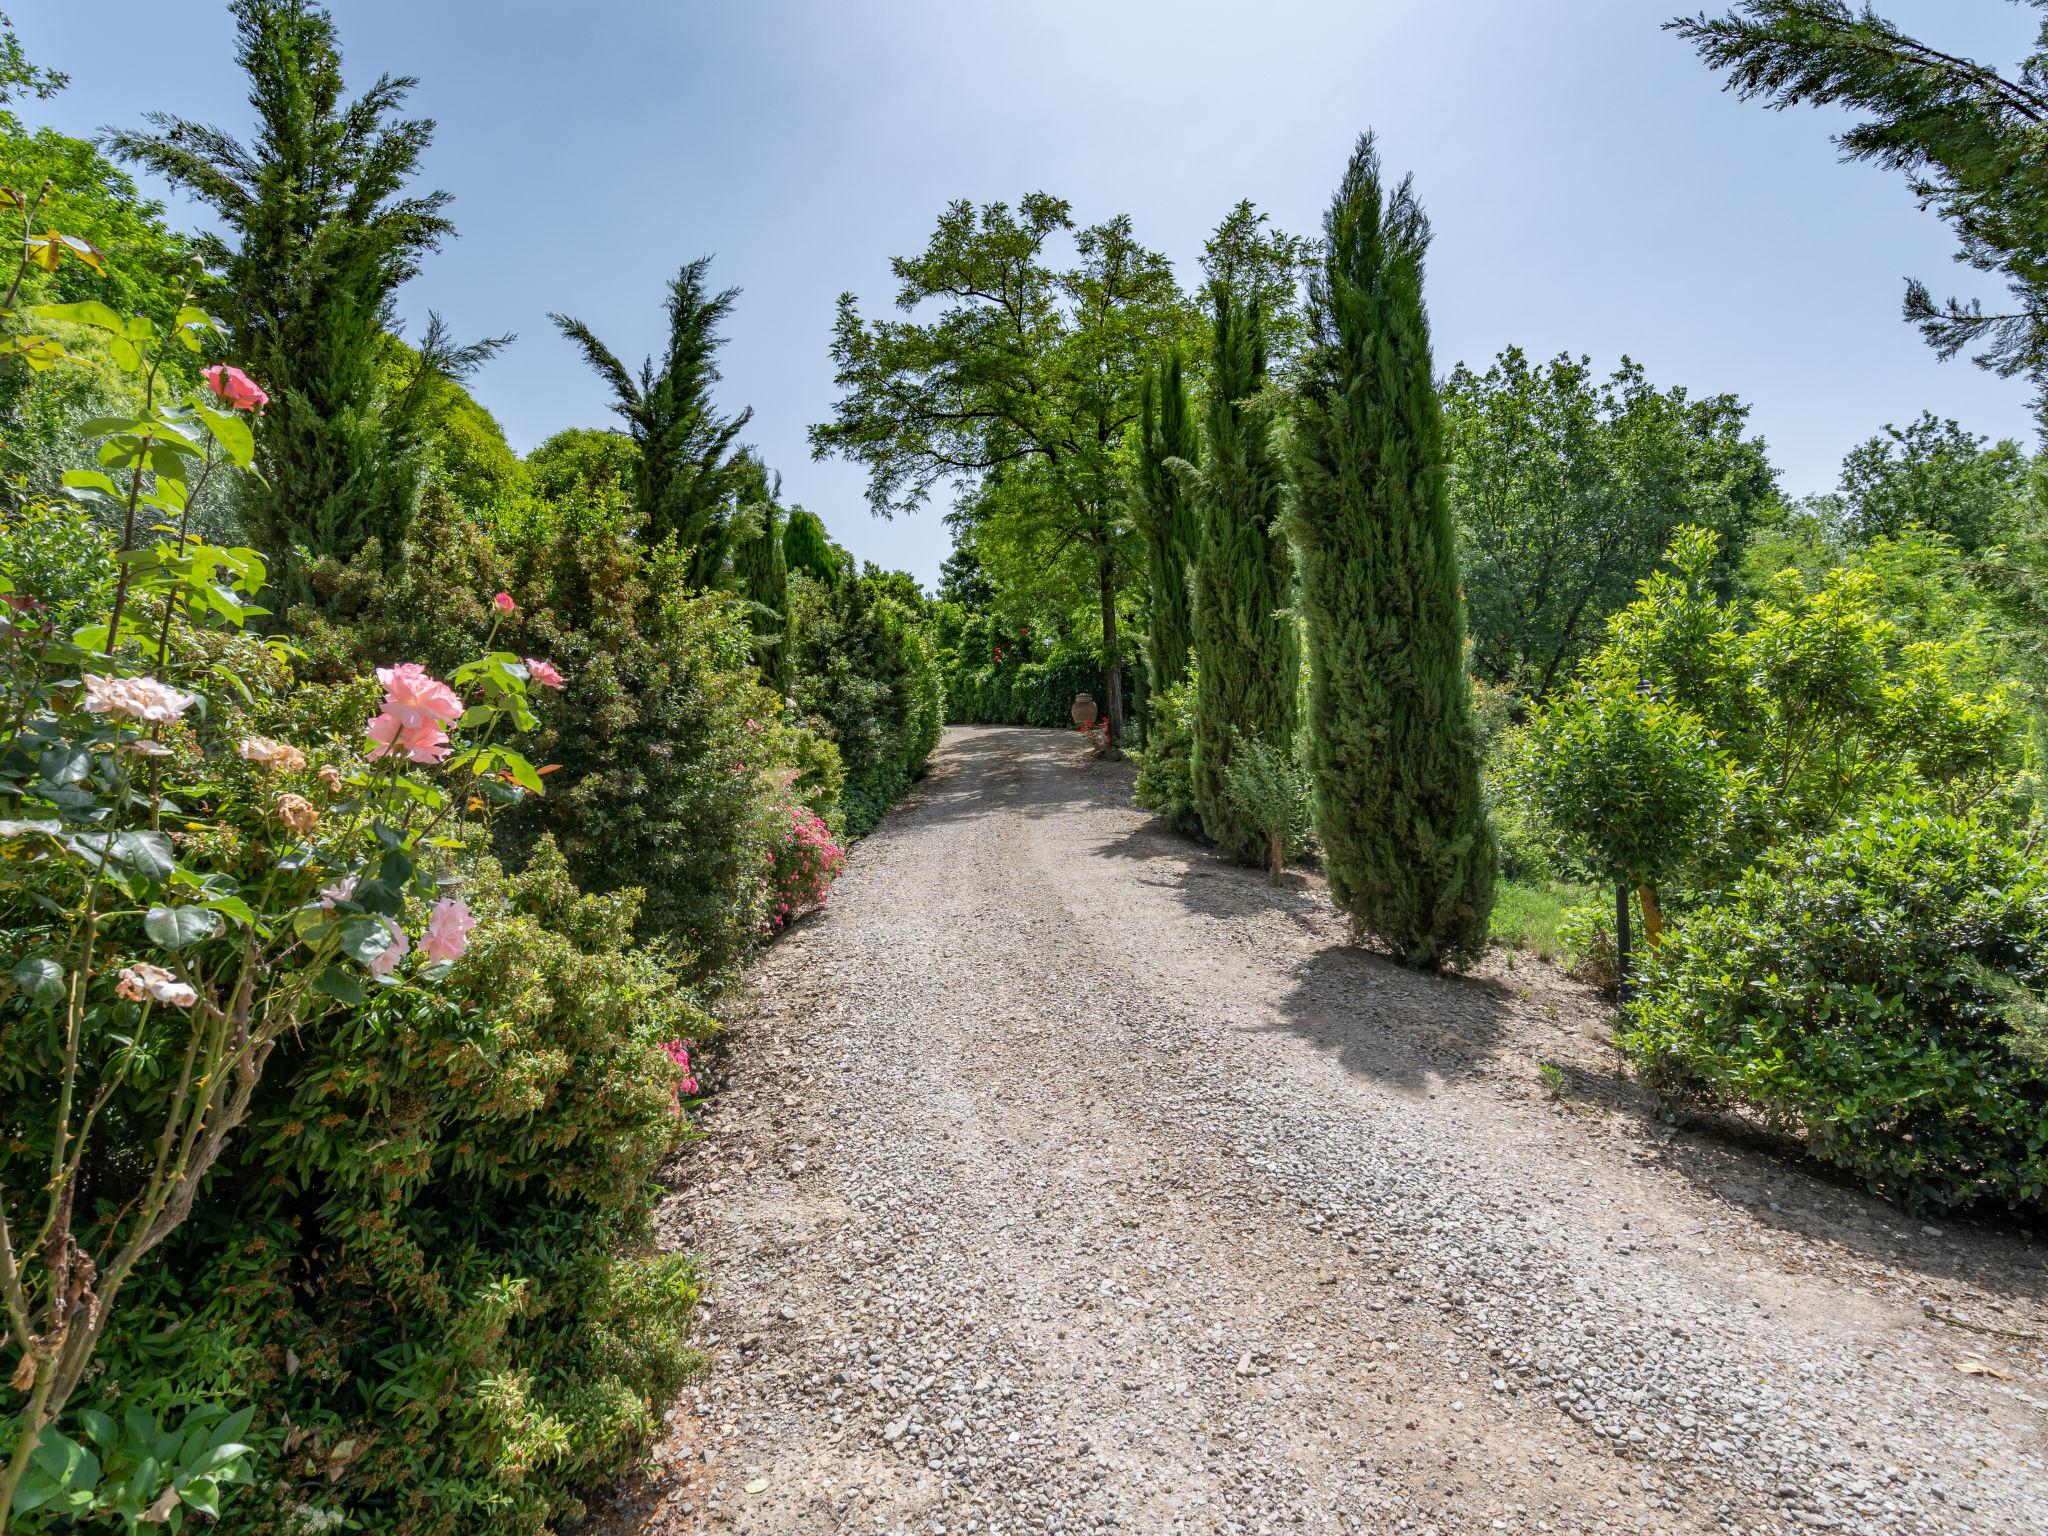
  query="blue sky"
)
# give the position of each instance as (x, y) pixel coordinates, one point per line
(1592, 188)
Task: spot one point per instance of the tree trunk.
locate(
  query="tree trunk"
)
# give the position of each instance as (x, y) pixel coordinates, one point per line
(1112, 661)
(1278, 846)
(1653, 916)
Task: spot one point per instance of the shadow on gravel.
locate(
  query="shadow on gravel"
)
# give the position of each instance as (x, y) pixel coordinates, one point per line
(979, 770)
(1770, 1180)
(1391, 1024)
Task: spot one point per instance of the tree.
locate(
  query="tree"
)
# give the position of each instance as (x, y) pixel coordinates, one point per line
(1020, 388)
(690, 469)
(806, 546)
(1566, 490)
(1935, 474)
(1392, 752)
(583, 466)
(962, 579)
(1168, 518)
(318, 233)
(1244, 636)
(1969, 138)
(761, 573)
(1251, 258)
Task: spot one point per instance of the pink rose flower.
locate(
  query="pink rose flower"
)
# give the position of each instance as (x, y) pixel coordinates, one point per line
(241, 392)
(425, 742)
(139, 698)
(413, 695)
(503, 602)
(278, 755)
(544, 673)
(447, 935)
(343, 889)
(399, 947)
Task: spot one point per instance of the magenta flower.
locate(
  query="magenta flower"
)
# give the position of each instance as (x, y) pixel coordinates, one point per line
(448, 925)
(503, 602)
(236, 388)
(544, 673)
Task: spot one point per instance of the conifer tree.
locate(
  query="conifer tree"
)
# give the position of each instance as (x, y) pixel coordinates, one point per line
(807, 547)
(1244, 635)
(1392, 753)
(1168, 517)
(761, 573)
(318, 232)
(690, 471)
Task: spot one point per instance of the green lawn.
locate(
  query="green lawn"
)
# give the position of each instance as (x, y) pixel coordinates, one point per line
(1528, 916)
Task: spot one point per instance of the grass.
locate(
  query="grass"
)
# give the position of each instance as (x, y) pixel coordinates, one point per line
(1528, 917)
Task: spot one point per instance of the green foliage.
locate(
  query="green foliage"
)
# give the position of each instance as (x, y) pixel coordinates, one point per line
(1392, 750)
(1967, 137)
(429, 1260)
(137, 1471)
(318, 232)
(1166, 769)
(1630, 786)
(868, 678)
(1245, 642)
(55, 553)
(688, 471)
(1935, 475)
(1169, 518)
(1704, 733)
(1021, 389)
(761, 577)
(1538, 917)
(1268, 791)
(808, 548)
(1567, 489)
(1871, 987)
(660, 772)
(583, 467)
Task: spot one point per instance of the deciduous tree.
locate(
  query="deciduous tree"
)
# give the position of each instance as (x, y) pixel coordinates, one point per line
(1014, 380)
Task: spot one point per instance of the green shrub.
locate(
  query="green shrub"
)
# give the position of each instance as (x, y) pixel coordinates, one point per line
(661, 761)
(428, 1264)
(1873, 988)
(1268, 791)
(1166, 777)
(868, 679)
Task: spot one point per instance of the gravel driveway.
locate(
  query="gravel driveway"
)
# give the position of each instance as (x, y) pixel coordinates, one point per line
(1065, 1178)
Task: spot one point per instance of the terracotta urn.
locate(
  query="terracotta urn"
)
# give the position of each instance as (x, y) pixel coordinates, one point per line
(1084, 711)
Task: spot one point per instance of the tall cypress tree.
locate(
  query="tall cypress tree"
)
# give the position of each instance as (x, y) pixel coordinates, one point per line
(760, 573)
(318, 231)
(1392, 752)
(1167, 514)
(1244, 636)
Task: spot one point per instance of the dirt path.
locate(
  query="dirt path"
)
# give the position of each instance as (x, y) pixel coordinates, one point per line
(1070, 1180)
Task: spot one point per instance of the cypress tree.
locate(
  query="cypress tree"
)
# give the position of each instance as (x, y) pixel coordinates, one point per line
(806, 546)
(1392, 754)
(761, 575)
(1168, 517)
(1244, 636)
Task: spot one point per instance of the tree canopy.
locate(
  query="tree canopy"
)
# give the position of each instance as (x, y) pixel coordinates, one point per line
(1013, 380)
